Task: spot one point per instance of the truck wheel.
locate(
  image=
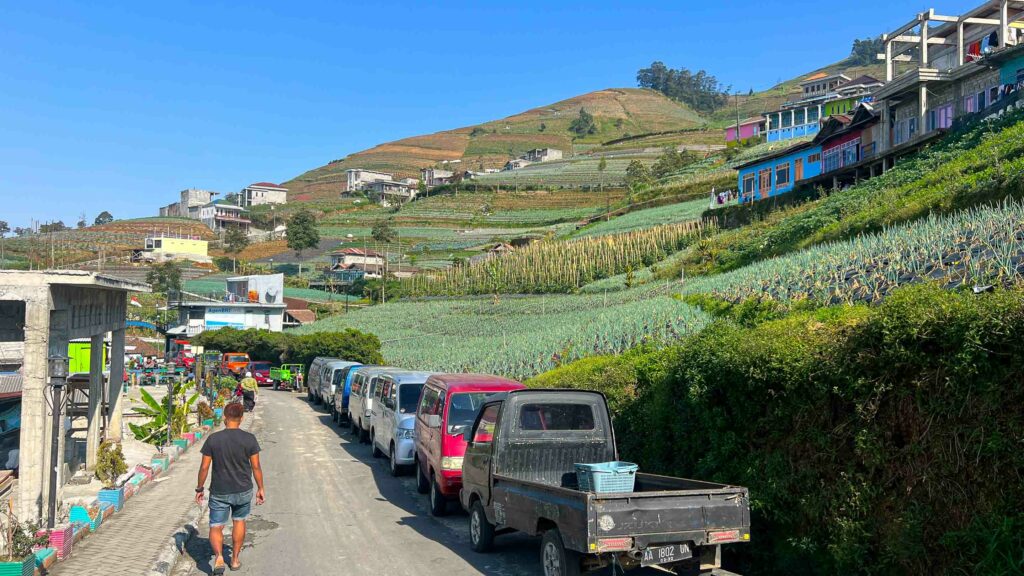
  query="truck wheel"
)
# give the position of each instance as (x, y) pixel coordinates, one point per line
(373, 443)
(438, 503)
(555, 559)
(422, 484)
(481, 532)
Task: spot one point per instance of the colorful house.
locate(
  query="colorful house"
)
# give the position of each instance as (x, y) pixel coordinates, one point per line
(752, 127)
(1011, 67)
(778, 173)
(846, 139)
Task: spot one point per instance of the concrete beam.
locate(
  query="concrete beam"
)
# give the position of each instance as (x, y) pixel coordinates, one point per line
(92, 438)
(114, 396)
(917, 40)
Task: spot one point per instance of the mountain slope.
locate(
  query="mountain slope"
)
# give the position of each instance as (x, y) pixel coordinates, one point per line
(617, 112)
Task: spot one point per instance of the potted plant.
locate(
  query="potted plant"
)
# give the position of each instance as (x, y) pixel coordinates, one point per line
(204, 413)
(17, 557)
(110, 466)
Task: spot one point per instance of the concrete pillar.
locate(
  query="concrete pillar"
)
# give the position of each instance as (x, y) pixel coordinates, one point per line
(924, 44)
(92, 439)
(922, 109)
(889, 64)
(114, 396)
(960, 48)
(34, 446)
(1004, 23)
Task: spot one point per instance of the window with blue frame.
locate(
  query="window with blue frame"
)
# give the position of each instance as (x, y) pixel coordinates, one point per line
(830, 160)
(748, 184)
(812, 114)
(800, 117)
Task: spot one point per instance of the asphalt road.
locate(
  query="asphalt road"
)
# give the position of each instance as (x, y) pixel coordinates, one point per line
(334, 509)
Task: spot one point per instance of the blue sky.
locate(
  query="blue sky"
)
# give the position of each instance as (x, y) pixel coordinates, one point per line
(119, 106)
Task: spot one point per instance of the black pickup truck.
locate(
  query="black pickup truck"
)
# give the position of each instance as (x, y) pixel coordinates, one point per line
(519, 475)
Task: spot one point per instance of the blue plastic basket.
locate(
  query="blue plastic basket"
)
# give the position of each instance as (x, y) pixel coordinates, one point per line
(606, 477)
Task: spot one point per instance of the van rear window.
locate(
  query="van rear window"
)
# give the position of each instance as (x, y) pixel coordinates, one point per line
(556, 417)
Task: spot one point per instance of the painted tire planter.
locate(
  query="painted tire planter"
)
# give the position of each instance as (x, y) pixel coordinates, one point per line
(190, 437)
(208, 422)
(163, 461)
(90, 516)
(113, 496)
(60, 539)
(27, 567)
(182, 443)
(145, 471)
(45, 558)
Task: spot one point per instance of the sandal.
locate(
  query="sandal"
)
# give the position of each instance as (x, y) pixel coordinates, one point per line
(219, 567)
(236, 568)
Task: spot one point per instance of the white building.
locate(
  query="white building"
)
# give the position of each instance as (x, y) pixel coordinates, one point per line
(358, 179)
(262, 193)
(435, 177)
(248, 302)
(542, 155)
(191, 201)
(517, 164)
(221, 216)
(387, 191)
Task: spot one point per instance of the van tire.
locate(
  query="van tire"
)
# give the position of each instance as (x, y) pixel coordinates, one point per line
(364, 434)
(438, 503)
(555, 558)
(422, 484)
(393, 466)
(481, 532)
(373, 443)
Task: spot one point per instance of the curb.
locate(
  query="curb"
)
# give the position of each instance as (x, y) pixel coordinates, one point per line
(175, 547)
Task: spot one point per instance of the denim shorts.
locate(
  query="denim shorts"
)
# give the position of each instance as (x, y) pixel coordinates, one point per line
(237, 506)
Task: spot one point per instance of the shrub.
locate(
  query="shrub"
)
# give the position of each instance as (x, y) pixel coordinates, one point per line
(110, 464)
(879, 440)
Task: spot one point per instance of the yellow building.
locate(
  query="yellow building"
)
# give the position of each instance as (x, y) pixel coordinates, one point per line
(170, 247)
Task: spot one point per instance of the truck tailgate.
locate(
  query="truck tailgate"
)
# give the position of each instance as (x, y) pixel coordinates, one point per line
(704, 514)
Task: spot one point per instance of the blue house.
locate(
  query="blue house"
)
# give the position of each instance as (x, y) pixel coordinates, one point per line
(778, 173)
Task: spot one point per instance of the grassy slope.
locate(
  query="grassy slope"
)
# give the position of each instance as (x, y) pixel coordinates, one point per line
(618, 112)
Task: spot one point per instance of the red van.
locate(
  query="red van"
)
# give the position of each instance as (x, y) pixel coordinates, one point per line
(448, 406)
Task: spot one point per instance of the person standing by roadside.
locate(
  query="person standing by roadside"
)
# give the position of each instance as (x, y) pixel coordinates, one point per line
(249, 390)
(234, 455)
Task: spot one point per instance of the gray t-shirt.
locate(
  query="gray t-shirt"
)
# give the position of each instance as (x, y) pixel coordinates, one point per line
(231, 449)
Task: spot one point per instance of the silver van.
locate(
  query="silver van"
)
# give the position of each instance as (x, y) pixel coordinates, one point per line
(392, 433)
(315, 375)
(334, 372)
(360, 401)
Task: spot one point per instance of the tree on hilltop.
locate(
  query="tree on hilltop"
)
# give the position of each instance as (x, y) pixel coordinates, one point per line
(700, 90)
(383, 232)
(302, 234)
(583, 124)
(865, 52)
(104, 218)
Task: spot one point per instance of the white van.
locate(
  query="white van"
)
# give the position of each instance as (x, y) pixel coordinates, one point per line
(392, 433)
(316, 374)
(360, 401)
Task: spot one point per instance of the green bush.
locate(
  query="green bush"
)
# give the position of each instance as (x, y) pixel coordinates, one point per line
(882, 440)
(110, 463)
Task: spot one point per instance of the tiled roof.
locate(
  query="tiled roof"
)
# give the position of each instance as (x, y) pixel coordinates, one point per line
(303, 316)
(266, 185)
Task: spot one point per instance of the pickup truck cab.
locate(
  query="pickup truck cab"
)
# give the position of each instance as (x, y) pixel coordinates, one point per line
(519, 475)
(286, 376)
(392, 425)
(234, 364)
(360, 405)
(448, 406)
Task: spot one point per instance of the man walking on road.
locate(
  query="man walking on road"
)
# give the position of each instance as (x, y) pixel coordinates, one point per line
(235, 456)
(249, 390)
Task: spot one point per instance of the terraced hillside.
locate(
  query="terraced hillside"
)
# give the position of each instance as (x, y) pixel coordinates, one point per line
(617, 112)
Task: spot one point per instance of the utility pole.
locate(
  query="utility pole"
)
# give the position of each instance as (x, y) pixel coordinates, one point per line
(737, 100)
(58, 369)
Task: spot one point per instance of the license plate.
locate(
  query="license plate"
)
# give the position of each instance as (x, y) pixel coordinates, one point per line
(665, 554)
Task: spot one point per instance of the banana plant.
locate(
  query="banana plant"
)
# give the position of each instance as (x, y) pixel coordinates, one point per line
(155, 431)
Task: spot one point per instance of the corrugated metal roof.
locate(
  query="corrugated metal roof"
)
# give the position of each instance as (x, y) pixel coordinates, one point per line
(10, 385)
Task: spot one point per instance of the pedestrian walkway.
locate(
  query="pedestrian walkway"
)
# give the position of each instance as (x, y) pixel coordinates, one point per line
(132, 541)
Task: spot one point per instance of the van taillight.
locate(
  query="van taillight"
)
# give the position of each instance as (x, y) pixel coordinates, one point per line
(614, 544)
(723, 536)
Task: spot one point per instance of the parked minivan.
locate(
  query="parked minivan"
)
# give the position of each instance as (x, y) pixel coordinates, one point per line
(334, 374)
(360, 402)
(343, 393)
(394, 417)
(447, 407)
(316, 372)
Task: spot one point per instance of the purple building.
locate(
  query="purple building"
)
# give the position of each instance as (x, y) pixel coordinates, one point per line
(750, 128)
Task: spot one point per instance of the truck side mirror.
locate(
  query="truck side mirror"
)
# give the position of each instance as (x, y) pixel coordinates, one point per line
(467, 437)
(434, 421)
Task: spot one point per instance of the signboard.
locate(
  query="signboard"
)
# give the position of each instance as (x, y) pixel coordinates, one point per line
(225, 318)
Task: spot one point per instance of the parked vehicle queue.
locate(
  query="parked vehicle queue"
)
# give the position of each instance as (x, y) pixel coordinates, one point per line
(523, 475)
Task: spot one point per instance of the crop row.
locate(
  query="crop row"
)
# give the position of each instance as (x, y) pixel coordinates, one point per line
(673, 213)
(559, 266)
(979, 246)
(519, 337)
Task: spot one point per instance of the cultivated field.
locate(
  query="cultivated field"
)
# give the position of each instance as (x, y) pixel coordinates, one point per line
(519, 336)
